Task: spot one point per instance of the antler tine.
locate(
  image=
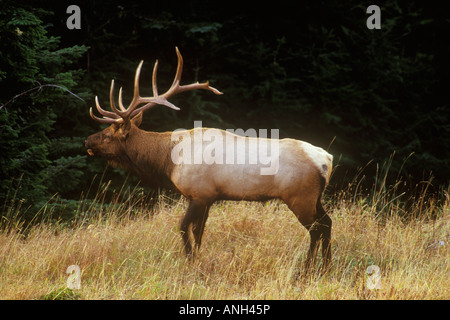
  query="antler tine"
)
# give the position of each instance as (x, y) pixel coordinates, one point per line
(176, 88)
(111, 97)
(104, 112)
(104, 120)
(108, 117)
(123, 113)
(176, 80)
(154, 86)
(126, 112)
(156, 101)
(136, 96)
(198, 85)
(113, 106)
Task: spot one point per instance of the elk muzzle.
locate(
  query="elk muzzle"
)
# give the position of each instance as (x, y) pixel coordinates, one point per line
(90, 142)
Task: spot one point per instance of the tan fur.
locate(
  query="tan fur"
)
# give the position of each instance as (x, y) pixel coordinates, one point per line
(244, 181)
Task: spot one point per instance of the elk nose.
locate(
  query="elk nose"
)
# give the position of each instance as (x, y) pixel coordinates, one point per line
(89, 150)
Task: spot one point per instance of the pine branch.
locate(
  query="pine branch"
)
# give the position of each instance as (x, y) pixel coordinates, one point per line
(38, 89)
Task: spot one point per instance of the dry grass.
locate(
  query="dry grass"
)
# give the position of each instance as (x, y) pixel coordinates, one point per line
(250, 251)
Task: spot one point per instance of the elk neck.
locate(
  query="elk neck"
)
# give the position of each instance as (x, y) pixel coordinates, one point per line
(147, 155)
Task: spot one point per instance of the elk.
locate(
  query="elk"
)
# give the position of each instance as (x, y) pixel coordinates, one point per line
(302, 174)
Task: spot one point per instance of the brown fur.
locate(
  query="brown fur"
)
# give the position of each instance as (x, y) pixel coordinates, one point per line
(145, 154)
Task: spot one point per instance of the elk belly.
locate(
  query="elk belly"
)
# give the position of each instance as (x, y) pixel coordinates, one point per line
(243, 182)
(223, 182)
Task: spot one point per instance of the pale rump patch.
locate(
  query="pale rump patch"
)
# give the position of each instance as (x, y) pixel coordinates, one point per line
(320, 158)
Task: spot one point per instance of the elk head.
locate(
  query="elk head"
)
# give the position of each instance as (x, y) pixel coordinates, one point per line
(112, 141)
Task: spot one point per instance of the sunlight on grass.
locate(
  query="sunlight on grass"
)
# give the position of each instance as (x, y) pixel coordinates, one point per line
(249, 251)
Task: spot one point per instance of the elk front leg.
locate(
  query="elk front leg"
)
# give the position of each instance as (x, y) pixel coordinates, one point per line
(196, 214)
(198, 226)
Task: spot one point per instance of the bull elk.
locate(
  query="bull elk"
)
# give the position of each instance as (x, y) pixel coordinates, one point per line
(302, 175)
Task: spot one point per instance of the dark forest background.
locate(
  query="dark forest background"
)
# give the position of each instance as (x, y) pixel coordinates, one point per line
(311, 69)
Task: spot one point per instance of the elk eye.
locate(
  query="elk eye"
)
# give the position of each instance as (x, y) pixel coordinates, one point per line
(107, 137)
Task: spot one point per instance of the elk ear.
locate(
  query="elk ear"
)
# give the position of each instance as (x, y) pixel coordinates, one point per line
(137, 120)
(123, 130)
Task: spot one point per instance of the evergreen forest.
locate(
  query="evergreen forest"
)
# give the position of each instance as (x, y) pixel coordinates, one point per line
(374, 98)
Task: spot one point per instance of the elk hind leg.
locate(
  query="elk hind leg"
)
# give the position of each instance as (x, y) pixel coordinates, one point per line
(324, 224)
(320, 231)
(306, 215)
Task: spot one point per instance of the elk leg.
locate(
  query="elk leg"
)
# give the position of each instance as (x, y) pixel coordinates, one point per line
(314, 233)
(306, 215)
(312, 216)
(325, 223)
(320, 230)
(199, 226)
(196, 208)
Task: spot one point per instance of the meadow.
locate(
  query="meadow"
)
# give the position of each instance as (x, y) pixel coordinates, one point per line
(250, 250)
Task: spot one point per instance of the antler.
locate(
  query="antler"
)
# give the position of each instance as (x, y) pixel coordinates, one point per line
(124, 114)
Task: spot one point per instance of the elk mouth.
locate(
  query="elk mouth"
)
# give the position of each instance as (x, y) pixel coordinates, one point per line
(91, 153)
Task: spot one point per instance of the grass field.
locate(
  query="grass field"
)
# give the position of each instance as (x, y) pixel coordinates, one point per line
(249, 251)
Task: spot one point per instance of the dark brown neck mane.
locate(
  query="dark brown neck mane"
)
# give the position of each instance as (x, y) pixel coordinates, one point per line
(148, 156)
